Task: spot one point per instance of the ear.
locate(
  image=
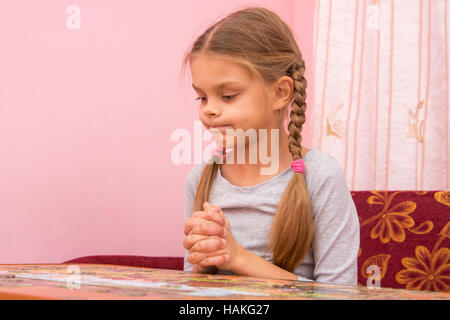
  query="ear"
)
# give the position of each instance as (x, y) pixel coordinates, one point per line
(282, 90)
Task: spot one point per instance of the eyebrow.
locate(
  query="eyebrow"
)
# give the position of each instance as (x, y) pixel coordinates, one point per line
(219, 86)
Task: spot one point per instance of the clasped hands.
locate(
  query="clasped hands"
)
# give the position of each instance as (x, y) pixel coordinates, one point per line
(210, 242)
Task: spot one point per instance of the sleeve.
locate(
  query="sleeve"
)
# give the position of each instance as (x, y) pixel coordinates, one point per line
(336, 238)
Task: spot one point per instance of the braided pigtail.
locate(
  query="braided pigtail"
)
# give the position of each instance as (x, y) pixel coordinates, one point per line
(293, 216)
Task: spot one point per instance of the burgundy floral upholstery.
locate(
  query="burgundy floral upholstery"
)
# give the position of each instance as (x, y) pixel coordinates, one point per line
(406, 235)
(404, 241)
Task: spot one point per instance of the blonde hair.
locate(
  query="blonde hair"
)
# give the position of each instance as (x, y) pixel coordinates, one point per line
(258, 39)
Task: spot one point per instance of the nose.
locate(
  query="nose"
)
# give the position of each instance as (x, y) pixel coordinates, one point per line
(211, 110)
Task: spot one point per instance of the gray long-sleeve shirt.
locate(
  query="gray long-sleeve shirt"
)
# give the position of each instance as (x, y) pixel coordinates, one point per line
(332, 257)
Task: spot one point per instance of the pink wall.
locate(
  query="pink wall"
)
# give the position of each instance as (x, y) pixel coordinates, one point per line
(86, 118)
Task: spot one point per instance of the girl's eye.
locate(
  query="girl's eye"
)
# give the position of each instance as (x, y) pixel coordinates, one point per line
(229, 98)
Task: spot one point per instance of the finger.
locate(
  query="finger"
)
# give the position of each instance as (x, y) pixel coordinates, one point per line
(208, 206)
(191, 239)
(214, 261)
(210, 215)
(203, 227)
(208, 245)
(209, 228)
(217, 211)
(195, 256)
(192, 221)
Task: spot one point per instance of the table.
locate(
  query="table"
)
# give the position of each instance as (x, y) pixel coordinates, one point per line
(105, 282)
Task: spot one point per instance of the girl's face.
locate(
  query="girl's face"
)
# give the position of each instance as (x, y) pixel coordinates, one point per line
(229, 95)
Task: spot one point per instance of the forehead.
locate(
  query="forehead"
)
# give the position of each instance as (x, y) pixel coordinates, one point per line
(215, 71)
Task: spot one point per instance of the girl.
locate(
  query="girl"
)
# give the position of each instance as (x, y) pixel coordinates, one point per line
(299, 223)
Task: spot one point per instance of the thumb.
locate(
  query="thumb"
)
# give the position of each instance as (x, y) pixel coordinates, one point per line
(206, 205)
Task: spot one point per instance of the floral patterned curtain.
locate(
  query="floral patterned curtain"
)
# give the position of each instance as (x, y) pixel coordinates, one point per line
(381, 91)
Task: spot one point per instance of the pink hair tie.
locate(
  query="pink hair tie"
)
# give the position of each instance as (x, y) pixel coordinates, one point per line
(298, 165)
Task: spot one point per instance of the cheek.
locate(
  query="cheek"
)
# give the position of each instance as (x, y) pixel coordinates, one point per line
(255, 121)
(246, 116)
(254, 113)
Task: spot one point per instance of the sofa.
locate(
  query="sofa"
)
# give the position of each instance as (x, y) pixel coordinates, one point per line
(406, 235)
(404, 241)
